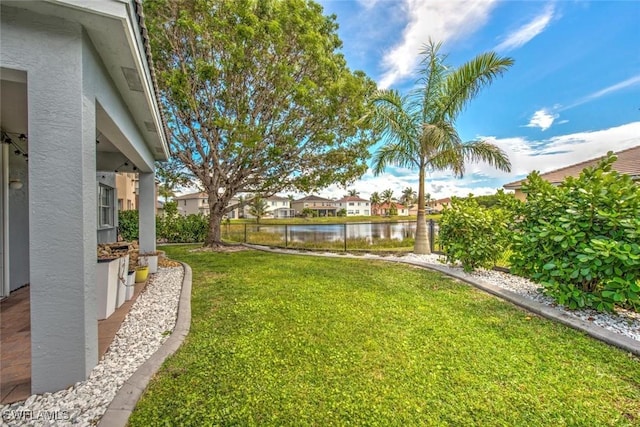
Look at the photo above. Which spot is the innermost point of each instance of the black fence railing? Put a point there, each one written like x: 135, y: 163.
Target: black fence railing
x: 355, y: 236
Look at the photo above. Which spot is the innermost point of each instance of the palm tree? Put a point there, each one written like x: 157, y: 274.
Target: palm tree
x: 375, y: 198
x: 419, y: 128
x: 387, y: 196
x: 165, y: 191
x: 353, y: 193
x: 258, y: 207
x: 408, y: 197
x: 375, y: 203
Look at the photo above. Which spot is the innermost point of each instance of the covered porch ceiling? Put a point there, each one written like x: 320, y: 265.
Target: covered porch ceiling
x: 121, y: 49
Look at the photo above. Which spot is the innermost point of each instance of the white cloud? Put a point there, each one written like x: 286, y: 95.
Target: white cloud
x: 525, y: 156
x: 542, y: 119
x: 368, y: 4
x: 606, y: 91
x: 526, y: 33
x: 559, y: 151
x: 439, y: 20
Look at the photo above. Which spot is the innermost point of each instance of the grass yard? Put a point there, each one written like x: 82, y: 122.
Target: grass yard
x: 292, y: 340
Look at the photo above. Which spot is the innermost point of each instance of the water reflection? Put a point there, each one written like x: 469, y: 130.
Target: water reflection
x: 304, y: 233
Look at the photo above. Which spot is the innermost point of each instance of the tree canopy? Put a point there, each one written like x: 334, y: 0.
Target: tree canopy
x: 258, y: 97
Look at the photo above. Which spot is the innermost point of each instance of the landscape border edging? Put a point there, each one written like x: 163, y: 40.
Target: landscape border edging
x: 125, y: 400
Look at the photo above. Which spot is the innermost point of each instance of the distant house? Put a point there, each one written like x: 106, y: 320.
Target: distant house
x: 126, y: 183
x: 279, y: 207
x: 320, y: 205
x: 385, y: 209
x: 355, y: 206
x: 628, y: 163
x: 436, y: 206
x: 193, y: 203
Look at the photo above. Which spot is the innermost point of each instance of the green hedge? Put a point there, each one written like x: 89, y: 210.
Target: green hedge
x: 473, y: 235
x: 580, y: 240
x: 171, y: 227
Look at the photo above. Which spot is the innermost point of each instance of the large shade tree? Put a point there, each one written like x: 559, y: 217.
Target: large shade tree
x: 171, y: 175
x: 258, y: 97
x: 419, y: 128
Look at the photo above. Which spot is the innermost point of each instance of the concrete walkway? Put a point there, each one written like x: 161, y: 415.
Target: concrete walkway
x: 623, y: 342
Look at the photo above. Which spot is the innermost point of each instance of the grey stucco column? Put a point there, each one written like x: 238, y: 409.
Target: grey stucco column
x: 147, y: 211
x: 62, y: 212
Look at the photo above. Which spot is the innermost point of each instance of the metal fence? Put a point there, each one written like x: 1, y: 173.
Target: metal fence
x: 355, y: 236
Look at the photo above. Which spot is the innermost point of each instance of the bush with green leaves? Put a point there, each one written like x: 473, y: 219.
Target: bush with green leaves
x: 580, y: 239
x: 128, y: 225
x: 175, y: 228
x: 473, y: 235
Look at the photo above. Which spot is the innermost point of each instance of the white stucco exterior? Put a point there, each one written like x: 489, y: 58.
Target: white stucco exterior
x: 72, y: 54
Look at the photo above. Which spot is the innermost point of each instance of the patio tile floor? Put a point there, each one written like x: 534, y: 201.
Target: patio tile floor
x: 15, y: 342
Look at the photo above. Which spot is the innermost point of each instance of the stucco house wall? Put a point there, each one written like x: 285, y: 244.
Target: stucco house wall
x: 81, y: 119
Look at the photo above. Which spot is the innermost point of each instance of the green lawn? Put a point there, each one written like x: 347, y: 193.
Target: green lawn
x: 294, y: 340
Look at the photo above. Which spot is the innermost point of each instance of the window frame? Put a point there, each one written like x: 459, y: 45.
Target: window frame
x: 106, y: 194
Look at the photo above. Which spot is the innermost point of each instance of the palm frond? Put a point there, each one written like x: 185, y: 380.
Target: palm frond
x: 464, y: 83
x: 397, y: 154
x: 493, y: 155
x: 433, y: 72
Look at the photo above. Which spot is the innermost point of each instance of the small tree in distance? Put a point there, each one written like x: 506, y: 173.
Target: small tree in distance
x: 258, y: 207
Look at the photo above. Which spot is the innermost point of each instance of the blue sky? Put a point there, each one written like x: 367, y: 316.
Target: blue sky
x: 573, y: 93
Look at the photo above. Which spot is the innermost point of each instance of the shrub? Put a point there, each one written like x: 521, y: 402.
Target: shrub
x: 128, y: 225
x: 580, y: 239
x: 473, y: 235
x: 176, y: 228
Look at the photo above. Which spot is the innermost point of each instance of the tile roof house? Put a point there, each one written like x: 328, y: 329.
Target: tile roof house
x: 628, y: 162
x: 193, y: 203
x: 384, y: 209
x: 435, y: 206
x: 320, y: 205
x: 355, y: 206
x: 78, y: 102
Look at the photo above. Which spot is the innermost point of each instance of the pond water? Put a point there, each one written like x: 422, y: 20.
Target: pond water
x: 336, y: 232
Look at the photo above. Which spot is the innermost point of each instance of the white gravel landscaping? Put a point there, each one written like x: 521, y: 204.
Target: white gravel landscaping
x: 145, y: 328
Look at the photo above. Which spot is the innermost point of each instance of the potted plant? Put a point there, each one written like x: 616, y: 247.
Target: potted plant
x: 150, y: 259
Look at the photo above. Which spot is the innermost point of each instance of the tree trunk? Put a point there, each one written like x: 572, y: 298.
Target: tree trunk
x: 422, y: 245
x: 214, y: 237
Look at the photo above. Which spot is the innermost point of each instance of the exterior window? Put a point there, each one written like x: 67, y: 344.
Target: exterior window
x: 120, y: 204
x: 185, y: 203
x: 357, y: 212
x: 105, y: 206
x: 129, y: 205
x: 351, y: 204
